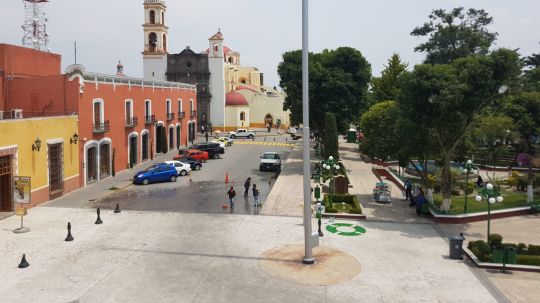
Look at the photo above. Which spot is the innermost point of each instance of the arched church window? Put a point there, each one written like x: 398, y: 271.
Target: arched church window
x: 152, y: 40
x: 242, y: 116
x: 215, y: 49
x: 164, y: 43
x: 152, y: 17
x: 230, y: 60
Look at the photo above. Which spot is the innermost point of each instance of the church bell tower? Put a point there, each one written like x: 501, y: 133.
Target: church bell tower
x: 216, y: 65
x: 155, y: 40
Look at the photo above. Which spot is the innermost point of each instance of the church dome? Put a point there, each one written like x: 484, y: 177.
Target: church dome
x: 234, y: 98
x: 247, y: 87
x: 226, y: 50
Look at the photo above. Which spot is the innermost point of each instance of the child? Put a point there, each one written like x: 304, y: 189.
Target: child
x: 256, y: 200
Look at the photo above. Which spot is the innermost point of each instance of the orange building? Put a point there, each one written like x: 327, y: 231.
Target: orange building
x: 123, y: 121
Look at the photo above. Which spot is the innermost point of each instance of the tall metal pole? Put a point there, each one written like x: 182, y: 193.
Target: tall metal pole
x: 308, y: 255
x: 466, y: 188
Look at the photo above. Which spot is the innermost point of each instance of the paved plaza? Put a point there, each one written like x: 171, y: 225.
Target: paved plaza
x: 177, y: 256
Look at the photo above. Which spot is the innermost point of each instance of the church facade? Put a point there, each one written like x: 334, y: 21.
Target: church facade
x: 229, y: 95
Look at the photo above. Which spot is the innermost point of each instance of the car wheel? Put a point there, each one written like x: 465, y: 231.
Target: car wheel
x: 173, y: 178
x: 198, y: 167
x: 183, y: 173
x: 216, y: 156
x: 145, y: 181
x: 250, y: 137
x: 203, y: 160
x: 233, y: 136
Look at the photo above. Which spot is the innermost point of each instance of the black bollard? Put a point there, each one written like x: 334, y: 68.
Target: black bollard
x: 264, y: 138
x: 117, y: 209
x: 69, y: 236
x: 274, y: 138
x: 24, y: 263
x: 320, y: 231
x: 98, y: 220
x: 286, y: 139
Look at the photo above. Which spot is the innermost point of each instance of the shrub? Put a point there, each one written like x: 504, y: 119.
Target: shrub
x: 470, y: 188
x: 330, y: 136
x: 533, y: 250
x: 522, y: 248
x: 331, y: 210
x: 495, y: 240
x: 528, y: 260
x: 480, y: 249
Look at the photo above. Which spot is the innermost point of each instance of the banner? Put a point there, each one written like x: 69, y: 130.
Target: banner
x: 21, y: 189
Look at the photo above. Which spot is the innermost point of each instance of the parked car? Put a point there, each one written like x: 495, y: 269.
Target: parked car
x: 195, y: 154
x: 156, y: 173
x: 242, y: 133
x: 193, y: 163
x: 181, y: 168
x: 226, y: 140
x: 221, y: 144
x: 270, y: 161
x: 213, y: 149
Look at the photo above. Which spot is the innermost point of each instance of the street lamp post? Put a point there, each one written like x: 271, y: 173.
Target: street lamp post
x: 467, y: 169
x: 491, y: 195
x: 332, y: 165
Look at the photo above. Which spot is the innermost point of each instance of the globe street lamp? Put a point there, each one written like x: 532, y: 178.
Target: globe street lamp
x: 491, y: 195
x: 467, y: 169
x: 332, y: 166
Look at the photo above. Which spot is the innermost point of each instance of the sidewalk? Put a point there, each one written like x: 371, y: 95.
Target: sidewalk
x: 83, y: 196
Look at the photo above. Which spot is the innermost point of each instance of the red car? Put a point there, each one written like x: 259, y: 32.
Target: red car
x: 193, y: 153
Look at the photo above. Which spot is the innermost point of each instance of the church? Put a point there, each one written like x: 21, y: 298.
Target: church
x: 229, y: 95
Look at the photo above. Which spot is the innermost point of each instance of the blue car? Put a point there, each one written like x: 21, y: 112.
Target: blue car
x: 156, y: 173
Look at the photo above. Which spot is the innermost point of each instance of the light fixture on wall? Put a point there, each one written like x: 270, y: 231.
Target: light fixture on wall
x: 36, y: 145
x: 74, y: 139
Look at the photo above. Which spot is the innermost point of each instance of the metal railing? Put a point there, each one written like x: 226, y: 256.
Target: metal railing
x: 149, y: 119
x: 101, y: 127
x: 193, y: 113
x: 132, y: 122
x: 170, y: 116
x: 181, y: 115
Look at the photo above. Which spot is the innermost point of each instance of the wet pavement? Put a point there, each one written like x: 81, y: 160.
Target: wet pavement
x: 207, y: 192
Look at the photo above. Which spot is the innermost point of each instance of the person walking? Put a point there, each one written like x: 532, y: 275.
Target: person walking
x: 408, y: 190
x: 256, y: 201
x: 246, y: 186
x: 231, y: 193
x: 420, y: 200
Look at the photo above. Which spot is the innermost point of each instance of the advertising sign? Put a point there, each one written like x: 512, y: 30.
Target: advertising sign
x: 21, y: 189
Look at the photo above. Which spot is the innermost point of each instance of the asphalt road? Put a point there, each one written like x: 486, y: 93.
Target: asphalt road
x: 207, y: 192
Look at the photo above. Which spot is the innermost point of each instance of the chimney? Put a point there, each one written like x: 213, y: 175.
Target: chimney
x: 120, y: 69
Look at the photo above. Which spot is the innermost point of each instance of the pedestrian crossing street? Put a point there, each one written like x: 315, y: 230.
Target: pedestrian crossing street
x: 265, y: 143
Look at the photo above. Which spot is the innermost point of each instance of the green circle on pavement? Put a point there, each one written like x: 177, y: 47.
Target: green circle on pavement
x: 345, y: 229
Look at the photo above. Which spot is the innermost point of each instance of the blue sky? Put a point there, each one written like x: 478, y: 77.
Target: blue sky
x: 261, y: 30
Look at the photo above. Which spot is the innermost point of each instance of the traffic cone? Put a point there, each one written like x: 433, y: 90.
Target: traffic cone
x: 226, y: 178
x: 24, y: 263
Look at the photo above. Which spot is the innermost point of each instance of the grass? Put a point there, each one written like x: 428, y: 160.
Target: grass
x: 511, y: 199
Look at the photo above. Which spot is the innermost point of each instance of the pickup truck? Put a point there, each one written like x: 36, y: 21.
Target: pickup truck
x: 242, y: 133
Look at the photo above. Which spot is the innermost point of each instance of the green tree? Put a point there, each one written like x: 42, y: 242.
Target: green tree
x: 444, y: 99
x: 531, y: 77
x: 489, y: 133
x: 379, y: 125
x: 455, y: 34
x: 338, y: 84
x: 330, y: 137
x: 386, y: 86
x: 524, y: 109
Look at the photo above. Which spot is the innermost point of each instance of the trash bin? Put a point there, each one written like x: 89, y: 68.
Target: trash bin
x: 456, y: 244
x: 351, y: 136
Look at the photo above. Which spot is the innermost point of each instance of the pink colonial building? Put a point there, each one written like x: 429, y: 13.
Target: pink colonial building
x: 123, y: 121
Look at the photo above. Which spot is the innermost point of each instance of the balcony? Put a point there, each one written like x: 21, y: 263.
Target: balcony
x: 149, y: 119
x: 181, y: 115
x: 100, y: 128
x: 132, y: 122
x: 193, y: 113
x: 170, y: 116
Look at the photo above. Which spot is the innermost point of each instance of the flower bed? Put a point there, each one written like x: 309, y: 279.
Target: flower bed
x: 524, y: 254
x: 341, y: 204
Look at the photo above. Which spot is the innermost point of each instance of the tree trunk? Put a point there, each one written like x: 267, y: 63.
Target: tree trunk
x: 446, y: 186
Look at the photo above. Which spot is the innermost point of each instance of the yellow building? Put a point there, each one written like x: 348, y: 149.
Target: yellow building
x: 45, y: 149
